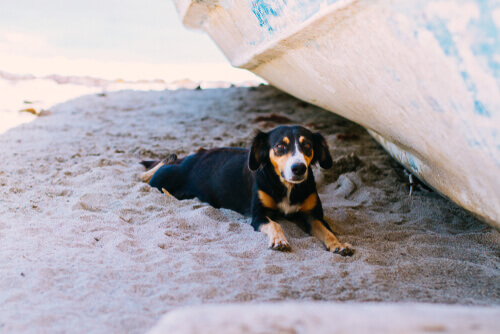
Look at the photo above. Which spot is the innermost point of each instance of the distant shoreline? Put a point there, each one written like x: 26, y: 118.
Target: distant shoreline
x: 92, y: 81
x: 28, y: 91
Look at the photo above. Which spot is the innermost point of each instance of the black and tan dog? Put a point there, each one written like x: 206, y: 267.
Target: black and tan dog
x: 272, y: 179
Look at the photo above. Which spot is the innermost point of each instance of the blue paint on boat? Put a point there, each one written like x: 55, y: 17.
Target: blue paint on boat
x: 412, y: 163
x: 307, y: 8
x: 487, y: 32
x: 312, y: 42
x: 393, y: 74
x: 474, y: 143
x: 415, y: 105
x: 444, y: 37
x: 264, y: 10
x: 480, y: 109
x: 301, y: 10
x: 453, y: 105
x: 487, y: 41
x: 434, y: 104
x: 465, y: 76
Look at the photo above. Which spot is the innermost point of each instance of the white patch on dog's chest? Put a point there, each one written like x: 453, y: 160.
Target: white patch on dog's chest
x: 285, y: 207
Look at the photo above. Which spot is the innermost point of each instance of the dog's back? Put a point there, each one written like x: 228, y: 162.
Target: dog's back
x: 217, y: 176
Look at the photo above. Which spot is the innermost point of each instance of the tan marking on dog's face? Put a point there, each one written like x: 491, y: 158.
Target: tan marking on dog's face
x: 306, y: 149
x: 266, y: 200
x: 279, y: 161
x: 277, y: 239
x: 286, y: 140
x: 309, y: 203
x: 329, y: 239
x: 309, y: 158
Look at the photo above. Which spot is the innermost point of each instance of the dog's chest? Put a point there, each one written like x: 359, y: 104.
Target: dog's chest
x: 285, y: 206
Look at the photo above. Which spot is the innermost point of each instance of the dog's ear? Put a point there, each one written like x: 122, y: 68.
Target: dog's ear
x: 258, y: 151
x: 321, y: 151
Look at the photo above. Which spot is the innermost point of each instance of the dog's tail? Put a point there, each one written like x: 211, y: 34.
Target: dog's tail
x: 153, y: 165
x: 150, y: 164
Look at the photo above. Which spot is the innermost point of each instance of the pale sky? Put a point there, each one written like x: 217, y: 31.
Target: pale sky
x: 121, y: 38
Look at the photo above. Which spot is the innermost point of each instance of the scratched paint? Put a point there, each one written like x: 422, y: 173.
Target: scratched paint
x: 477, y: 60
x: 470, y: 22
x: 487, y: 41
x: 468, y: 34
x: 265, y: 11
x: 392, y: 73
x: 277, y: 16
x: 439, y: 28
x: 312, y: 43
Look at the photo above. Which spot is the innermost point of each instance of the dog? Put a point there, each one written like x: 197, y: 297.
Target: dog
x: 271, y: 179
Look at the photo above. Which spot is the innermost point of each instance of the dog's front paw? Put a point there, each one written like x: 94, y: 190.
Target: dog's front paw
x: 280, y: 245
x: 341, y: 249
x: 277, y: 239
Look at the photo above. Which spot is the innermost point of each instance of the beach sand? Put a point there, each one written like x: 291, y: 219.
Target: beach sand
x: 85, y: 246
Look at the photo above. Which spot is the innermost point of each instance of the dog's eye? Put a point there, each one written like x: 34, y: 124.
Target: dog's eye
x: 307, y: 146
x: 280, y: 146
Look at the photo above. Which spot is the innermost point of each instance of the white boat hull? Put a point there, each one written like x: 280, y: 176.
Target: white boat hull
x: 421, y: 76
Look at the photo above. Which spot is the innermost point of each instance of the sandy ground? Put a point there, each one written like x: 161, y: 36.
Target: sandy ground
x: 85, y: 246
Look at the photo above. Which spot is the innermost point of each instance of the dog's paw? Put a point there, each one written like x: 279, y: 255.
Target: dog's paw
x: 341, y: 249
x: 280, y: 245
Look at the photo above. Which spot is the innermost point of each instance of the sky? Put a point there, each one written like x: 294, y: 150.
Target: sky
x: 130, y: 39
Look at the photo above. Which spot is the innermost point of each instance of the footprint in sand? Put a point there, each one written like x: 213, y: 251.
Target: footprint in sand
x: 129, y: 247
x: 94, y: 202
x: 130, y: 216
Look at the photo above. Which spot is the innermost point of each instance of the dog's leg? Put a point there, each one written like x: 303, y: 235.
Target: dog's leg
x: 319, y: 230
x: 263, y: 207
x: 146, y: 176
x: 277, y: 239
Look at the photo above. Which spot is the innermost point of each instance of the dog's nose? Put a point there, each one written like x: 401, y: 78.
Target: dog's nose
x: 299, y: 169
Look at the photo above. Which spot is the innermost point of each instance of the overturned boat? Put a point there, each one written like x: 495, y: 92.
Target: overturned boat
x: 422, y: 76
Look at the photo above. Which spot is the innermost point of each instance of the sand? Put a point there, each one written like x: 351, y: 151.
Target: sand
x: 85, y: 246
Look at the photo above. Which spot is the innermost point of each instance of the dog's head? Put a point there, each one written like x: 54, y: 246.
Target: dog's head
x: 290, y: 150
